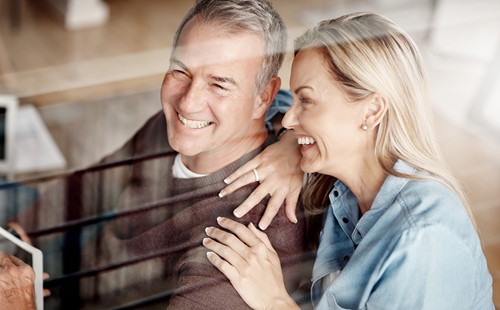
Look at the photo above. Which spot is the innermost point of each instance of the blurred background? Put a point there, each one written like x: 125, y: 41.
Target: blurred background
x: 86, y: 74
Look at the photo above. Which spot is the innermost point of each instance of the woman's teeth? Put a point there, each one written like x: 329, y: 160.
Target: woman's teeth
x: 306, y: 141
x: 193, y: 124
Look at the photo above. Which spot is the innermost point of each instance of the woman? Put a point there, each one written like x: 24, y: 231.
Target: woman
x: 397, y: 231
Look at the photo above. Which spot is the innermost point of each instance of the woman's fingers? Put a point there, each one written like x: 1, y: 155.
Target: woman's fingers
x: 273, y: 206
x: 261, y: 236
x: 256, y: 275
x: 245, y: 170
x: 291, y: 204
x: 271, y: 254
x: 227, y: 269
x: 256, y: 249
x: 252, y: 200
x: 244, y: 179
x: 233, y: 246
x: 241, y: 231
x: 238, y: 245
x: 278, y: 171
x: 225, y: 251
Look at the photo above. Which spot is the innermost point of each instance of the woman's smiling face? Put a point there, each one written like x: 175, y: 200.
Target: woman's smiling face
x: 326, y: 124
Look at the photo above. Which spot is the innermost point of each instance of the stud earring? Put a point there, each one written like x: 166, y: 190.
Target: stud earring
x: 364, y: 127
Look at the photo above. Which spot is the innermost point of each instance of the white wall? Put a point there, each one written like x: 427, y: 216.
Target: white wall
x: 77, y: 14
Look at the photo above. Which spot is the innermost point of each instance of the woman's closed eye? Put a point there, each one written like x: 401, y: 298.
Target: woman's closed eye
x: 304, y: 100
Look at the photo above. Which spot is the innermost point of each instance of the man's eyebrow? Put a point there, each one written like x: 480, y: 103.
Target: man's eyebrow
x: 175, y: 61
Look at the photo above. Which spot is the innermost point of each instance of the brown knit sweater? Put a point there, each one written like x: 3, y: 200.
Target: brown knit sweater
x: 166, y: 222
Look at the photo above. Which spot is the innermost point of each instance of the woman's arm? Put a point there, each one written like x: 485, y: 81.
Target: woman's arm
x: 277, y: 168
x: 428, y: 268
x: 248, y: 260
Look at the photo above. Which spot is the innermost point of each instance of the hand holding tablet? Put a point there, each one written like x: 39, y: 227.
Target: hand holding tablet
x: 16, y: 276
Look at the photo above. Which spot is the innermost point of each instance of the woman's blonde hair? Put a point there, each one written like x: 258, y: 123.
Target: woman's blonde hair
x: 367, y: 53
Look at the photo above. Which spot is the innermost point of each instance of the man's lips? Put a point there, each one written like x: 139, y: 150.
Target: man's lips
x: 194, y: 124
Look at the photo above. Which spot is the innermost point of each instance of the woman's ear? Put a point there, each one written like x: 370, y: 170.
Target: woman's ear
x: 374, y: 113
x: 266, y: 97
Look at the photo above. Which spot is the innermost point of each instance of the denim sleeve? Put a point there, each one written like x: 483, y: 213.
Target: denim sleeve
x: 281, y: 104
x: 427, y: 268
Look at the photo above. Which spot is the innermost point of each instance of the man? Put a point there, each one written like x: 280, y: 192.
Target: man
x: 220, y: 84
x: 221, y: 81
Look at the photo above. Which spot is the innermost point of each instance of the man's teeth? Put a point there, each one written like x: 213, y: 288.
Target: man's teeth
x: 193, y: 124
x: 306, y: 141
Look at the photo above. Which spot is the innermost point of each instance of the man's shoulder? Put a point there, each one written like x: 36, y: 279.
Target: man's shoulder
x: 150, y: 139
x: 153, y: 131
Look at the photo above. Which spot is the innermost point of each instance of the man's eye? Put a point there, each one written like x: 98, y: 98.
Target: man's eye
x: 304, y: 100
x: 219, y: 88
x: 178, y: 74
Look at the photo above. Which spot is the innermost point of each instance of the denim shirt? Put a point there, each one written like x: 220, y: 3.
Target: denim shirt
x: 416, y: 248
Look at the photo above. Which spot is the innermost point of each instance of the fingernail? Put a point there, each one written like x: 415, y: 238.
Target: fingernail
x: 262, y: 226
x: 210, y: 255
x: 227, y: 181
x: 295, y: 221
x: 207, y: 230
x: 222, y: 194
x: 219, y: 219
x: 236, y: 213
x: 205, y: 241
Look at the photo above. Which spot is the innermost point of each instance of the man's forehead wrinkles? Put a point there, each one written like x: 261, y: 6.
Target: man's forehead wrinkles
x: 214, y: 72
x: 205, y: 53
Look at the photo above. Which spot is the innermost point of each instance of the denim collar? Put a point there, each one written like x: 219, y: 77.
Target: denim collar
x: 342, y: 201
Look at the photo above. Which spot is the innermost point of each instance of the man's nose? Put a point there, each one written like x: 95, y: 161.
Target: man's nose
x: 192, y: 99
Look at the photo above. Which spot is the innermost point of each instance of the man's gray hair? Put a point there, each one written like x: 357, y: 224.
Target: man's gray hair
x: 256, y: 16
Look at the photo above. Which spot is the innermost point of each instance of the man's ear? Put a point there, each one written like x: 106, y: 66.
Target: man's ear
x: 375, y: 110
x: 266, y: 97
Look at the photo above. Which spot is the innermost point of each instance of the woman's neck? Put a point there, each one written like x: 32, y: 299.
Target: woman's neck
x: 365, y: 182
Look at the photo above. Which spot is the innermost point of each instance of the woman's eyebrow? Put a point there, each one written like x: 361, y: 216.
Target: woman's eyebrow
x: 298, y: 89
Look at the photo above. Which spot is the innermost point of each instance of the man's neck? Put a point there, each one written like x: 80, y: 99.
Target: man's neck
x: 209, y: 162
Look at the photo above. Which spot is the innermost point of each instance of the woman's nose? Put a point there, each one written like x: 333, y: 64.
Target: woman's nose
x: 290, y: 119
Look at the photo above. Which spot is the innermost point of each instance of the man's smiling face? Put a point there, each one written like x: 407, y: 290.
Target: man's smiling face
x: 209, y: 92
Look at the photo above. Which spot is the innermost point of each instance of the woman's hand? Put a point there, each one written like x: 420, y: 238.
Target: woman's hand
x: 246, y: 257
x: 280, y: 176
